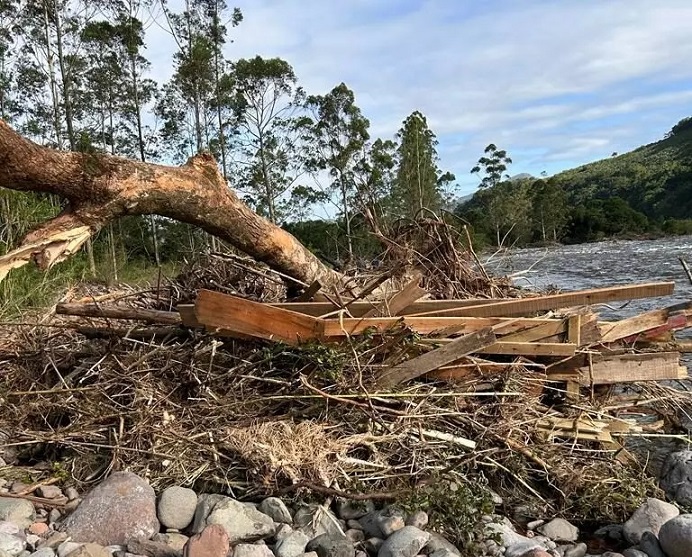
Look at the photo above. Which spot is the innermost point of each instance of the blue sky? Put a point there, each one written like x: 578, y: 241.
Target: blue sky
x: 556, y: 83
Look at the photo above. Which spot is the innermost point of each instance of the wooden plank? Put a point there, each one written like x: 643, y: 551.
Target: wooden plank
x: 627, y: 368
x: 427, y: 325
x: 538, y: 332
x: 618, y: 330
x: 530, y: 349
x: 119, y: 312
x: 528, y: 306
x: 187, y: 314
x: 574, y: 330
x: 434, y: 359
x: 360, y: 308
x: 310, y: 292
x: 410, y: 293
x: 226, y: 314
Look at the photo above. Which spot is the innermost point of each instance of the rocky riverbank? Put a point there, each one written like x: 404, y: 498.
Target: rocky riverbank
x: 124, y: 517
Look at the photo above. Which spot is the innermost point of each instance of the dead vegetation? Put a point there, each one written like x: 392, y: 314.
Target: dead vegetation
x: 530, y: 413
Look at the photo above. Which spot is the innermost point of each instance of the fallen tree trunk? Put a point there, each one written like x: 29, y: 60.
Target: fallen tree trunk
x: 101, y: 188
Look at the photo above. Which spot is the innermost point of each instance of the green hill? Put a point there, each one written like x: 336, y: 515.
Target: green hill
x: 655, y: 179
x: 646, y: 191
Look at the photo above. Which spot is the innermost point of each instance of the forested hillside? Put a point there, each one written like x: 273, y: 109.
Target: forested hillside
x: 74, y: 75
x: 645, y: 191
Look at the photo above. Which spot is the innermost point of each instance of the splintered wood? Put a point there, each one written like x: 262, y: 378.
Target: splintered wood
x: 570, y: 345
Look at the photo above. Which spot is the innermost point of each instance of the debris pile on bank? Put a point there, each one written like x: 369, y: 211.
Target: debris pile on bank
x: 217, y: 381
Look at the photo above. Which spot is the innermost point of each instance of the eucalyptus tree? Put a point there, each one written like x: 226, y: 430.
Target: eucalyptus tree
x: 191, y: 107
x: 9, y: 10
x: 336, y: 133
x: 493, y: 164
x: 419, y: 183
x: 265, y: 101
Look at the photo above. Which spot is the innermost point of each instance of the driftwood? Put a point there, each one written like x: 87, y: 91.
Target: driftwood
x: 101, y: 188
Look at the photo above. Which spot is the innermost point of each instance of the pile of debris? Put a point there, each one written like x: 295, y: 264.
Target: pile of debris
x: 346, y: 396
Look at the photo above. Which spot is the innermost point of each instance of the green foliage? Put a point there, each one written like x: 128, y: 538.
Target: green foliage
x: 455, y: 507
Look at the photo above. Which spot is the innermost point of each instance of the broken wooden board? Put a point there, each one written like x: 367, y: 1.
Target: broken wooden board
x: 230, y: 315
x: 360, y: 308
x: 112, y: 311
x: 334, y: 328
x: 620, y: 368
x: 583, y: 429
x: 670, y: 318
x: 529, y: 306
x: 430, y: 361
x: 410, y: 293
x: 538, y: 332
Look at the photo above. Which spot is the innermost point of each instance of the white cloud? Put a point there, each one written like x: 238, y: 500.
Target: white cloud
x: 540, y: 77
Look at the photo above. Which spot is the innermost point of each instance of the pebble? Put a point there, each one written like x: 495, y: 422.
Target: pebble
x: 523, y: 548
x: 419, y: 519
x: 676, y: 477
x: 65, y: 548
x: 49, y: 491
x: 438, y: 542
x: 71, y: 493
x: 276, y: 509
x: 535, y: 524
x: 173, y: 540
x: 325, y: 546
x: 559, y: 530
x: 651, y: 515
x: 315, y: 520
x: 406, y: 542
x: 12, y: 545
x: 251, y: 550
x: 578, y: 550
x: 373, y: 545
x: 54, y: 516
x: 282, y: 531
x: 390, y: 520
x: 90, y: 550
x: 650, y: 545
x: 349, y: 510
x: 355, y: 536
x: 675, y: 536
x: 242, y: 523
x: 353, y: 525
x: 176, y: 507
x: 150, y: 548
x: 536, y: 553
x: 121, y: 508
x: 43, y: 552
x: 211, y: 542
x: 292, y: 545
x: 54, y: 540
x: 18, y: 511
x: 38, y: 528
x: 633, y: 552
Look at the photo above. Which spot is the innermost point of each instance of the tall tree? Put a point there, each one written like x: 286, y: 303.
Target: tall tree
x: 419, y: 183
x: 8, y: 18
x: 493, y: 164
x: 265, y: 102
x: 337, y: 131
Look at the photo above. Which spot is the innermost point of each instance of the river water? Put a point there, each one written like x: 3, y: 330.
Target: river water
x: 605, y: 264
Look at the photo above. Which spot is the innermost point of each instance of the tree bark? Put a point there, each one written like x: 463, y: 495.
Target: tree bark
x: 101, y: 188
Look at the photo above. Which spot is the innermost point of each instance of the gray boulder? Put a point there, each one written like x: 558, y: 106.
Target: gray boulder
x: 406, y: 542
x: 121, y: 508
x: 390, y: 519
x: 650, y: 516
x: 437, y: 542
x: 575, y: 550
x: 676, y: 477
x: 17, y: 511
x: 633, y: 552
x: 177, y: 507
x: 675, y: 536
x: 351, y: 510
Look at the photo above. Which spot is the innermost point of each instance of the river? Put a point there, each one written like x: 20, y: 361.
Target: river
x: 612, y: 263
